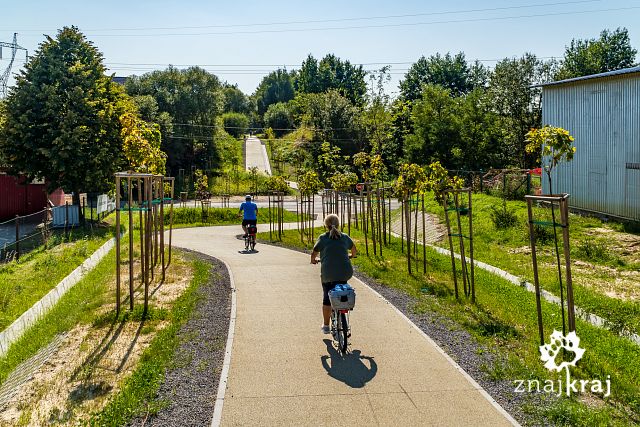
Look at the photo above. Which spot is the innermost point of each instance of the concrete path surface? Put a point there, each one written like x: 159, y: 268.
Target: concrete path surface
x: 284, y: 371
x: 256, y: 155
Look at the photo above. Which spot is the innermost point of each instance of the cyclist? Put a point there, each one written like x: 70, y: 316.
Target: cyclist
x: 250, y: 216
x: 333, y: 248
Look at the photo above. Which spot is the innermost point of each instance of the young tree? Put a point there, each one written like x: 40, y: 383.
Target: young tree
x: 377, y: 113
x: 553, y: 144
x: 611, y: 51
x: 63, y: 117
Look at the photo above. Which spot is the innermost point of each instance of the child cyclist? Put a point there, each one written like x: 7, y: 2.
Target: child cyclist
x: 335, y: 248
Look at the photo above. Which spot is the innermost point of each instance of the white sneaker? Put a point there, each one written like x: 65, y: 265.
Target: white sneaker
x: 325, y: 329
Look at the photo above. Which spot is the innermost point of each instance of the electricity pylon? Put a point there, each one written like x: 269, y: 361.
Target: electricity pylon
x: 4, y: 79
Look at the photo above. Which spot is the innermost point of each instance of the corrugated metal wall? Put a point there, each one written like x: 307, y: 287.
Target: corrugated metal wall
x: 604, y: 117
x: 17, y: 199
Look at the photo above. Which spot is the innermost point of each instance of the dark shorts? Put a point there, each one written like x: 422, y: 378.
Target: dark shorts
x: 326, y: 287
x: 246, y: 222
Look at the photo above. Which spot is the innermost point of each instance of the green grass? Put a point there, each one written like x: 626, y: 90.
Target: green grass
x: 504, y: 320
x: 194, y: 217
x: 76, y: 306
x: 507, y: 249
x: 137, y: 396
x: 25, y: 282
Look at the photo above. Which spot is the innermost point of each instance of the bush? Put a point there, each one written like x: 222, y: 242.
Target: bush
x: 544, y: 234
x: 503, y: 218
x: 235, y: 124
x: 278, y: 117
x: 593, y: 250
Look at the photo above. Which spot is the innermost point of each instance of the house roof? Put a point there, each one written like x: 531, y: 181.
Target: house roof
x: 630, y: 70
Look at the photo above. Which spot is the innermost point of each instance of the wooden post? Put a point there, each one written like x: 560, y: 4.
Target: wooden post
x: 161, y: 181
x: 445, y: 196
x: 131, y: 237
x: 171, y: 219
x: 564, y: 218
x: 424, y: 240
x: 463, y: 258
x: 536, y: 281
x: 142, y: 188
x: 407, y: 222
x: 117, y: 245
x: 473, y: 279
x: 17, y: 237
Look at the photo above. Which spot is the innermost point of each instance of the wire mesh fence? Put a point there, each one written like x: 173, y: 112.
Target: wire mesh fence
x: 24, y: 233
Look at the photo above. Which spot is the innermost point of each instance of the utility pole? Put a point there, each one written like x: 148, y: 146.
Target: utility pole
x: 4, y: 78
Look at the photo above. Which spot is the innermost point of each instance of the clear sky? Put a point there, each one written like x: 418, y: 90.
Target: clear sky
x: 241, y: 41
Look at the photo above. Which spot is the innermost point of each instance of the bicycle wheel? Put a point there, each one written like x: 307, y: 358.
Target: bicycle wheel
x: 343, y: 331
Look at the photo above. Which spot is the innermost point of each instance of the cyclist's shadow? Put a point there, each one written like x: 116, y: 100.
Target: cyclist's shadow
x: 351, y: 369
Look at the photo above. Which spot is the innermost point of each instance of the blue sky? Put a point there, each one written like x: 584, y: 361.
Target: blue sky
x: 242, y: 41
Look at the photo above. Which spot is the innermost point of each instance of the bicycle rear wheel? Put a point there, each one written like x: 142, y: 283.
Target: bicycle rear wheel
x: 342, y: 332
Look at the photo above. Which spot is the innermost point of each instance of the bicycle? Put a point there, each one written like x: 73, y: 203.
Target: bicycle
x: 343, y: 299
x: 250, y: 238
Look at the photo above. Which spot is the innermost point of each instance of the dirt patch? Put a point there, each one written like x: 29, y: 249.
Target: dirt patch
x: 93, y: 361
x: 607, y: 280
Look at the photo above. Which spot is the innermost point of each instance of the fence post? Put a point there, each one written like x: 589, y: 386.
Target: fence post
x: 17, y: 237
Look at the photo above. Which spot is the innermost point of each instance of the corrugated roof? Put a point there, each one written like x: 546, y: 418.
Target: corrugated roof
x: 593, y: 76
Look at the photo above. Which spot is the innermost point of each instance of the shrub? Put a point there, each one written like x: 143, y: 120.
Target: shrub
x: 235, y: 124
x: 593, y: 250
x: 503, y: 218
x: 544, y: 234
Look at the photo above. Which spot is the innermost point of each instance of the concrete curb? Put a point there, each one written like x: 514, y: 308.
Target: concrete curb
x: 224, y: 374
x: 582, y: 314
x: 14, y: 331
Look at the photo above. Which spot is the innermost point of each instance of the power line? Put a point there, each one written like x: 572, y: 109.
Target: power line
x: 365, y: 18
x: 409, y: 24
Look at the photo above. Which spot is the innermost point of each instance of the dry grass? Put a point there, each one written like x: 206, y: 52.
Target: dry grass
x: 93, y: 362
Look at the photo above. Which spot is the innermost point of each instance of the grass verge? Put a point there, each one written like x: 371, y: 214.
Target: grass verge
x: 136, y: 397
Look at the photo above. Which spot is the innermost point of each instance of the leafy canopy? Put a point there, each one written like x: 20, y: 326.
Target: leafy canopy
x: 611, y: 51
x: 275, y: 87
x: 63, y: 117
x: 332, y: 73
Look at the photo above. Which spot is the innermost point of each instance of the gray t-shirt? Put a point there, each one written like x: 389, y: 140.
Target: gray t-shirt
x: 334, y: 256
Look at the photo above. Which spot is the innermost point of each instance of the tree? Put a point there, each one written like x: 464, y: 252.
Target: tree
x: 193, y: 98
x: 450, y: 72
x: 553, y: 144
x: 517, y: 103
x: 63, y: 117
x: 276, y: 86
x: 331, y: 73
x: 612, y: 51
x: 279, y: 118
x: 436, y: 127
x: 147, y: 108
x: 334, y: 119
x: 235, y: 124
x: 377, y: 116
x: 141, y: 145
x: 235, y: 101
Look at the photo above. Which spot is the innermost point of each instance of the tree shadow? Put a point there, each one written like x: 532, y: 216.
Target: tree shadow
x: 351, y: 368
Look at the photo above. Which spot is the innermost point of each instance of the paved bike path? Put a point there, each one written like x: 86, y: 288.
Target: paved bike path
x: 284, y: 371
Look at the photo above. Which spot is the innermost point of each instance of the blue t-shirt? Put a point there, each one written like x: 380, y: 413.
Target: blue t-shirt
x: 250, y: 210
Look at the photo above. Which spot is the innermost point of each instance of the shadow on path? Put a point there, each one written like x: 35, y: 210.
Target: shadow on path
x: 351, y: 369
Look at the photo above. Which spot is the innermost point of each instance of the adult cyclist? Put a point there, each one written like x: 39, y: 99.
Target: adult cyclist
x: 250, y: 216
x: 335, y: 248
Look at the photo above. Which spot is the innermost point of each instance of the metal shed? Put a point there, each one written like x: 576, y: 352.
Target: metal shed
x: 602, y: 112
